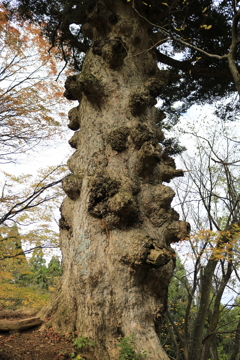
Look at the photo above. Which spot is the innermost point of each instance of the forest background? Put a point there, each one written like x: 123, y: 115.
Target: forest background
x: 208, y: 197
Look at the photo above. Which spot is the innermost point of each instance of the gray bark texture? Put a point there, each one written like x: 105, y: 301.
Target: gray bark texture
x: 117, y: 223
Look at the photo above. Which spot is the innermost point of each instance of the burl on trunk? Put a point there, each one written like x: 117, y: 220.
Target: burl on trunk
x: 117, y: 223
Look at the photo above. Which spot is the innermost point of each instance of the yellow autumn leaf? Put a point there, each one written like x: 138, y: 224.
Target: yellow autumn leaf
x: 165, y: 4
x: 204, y: 10
x: 206, y: 27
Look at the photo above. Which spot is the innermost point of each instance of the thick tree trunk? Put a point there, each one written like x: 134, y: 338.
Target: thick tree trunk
x: 117, y: 223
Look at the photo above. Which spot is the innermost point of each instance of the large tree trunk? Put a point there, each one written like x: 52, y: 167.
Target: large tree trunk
x: 117, y: 223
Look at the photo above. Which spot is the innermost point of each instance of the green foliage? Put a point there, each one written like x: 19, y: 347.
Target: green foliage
x: 39, y: 270
x: 23, y: 282
x: 76, y: 357
x: 127, y: 351
x: 44, y: 277
x: 196, y: 78
x: 82, y: 342
x: 173, y: 146
x: 206, y: 24
x: 54, y: 271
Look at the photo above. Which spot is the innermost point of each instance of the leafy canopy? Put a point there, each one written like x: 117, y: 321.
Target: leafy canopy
x: 28, y: 95
x: 195, y: 29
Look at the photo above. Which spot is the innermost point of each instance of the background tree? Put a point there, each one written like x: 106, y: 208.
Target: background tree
x: 28, y: 100
x: 211, y: 297
x: 54, y: 272
x: 178, y: 298
x: 208, y: 307
x: 33, y: 208
x: 24, y: 282
x: 44, y: 276
x: 28, y: 92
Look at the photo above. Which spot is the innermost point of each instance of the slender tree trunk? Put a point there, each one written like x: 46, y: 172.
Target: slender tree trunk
x: 236, y: 346
x: 117, y: 223
x: 214, y: 349
x: 211, y: 341
x: 196, y: 350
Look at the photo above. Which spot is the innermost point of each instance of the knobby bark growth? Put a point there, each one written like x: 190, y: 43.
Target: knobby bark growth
x: 117, y: 223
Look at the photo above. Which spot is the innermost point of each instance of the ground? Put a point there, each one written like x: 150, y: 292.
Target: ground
x: 36, y: 344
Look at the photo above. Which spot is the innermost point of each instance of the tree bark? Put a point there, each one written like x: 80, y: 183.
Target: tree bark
x: 117, y: 223
x: 21, y: 325
x: 236, y: 346
x: 211, y: 341
x: 196, y: 350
